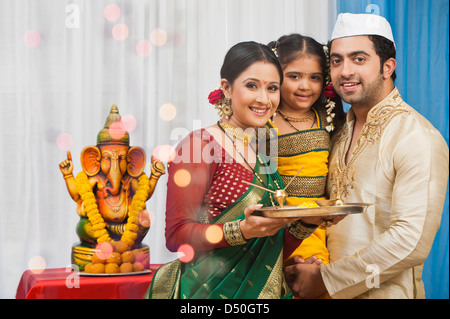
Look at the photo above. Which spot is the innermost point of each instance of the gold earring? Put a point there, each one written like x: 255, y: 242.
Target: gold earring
x: 227, y: 110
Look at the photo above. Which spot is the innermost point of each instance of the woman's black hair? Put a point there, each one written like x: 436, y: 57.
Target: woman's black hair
x: 294, y: 46
x: 242, y: 55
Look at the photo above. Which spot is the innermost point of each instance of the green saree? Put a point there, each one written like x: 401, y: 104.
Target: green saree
x: 249, y: 271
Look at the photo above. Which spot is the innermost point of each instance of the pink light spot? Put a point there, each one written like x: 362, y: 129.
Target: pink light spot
x: 129, y: 122
x: 158, y: 37
x: 165, y: 153
x: 32, y: 38
x: 64, y: 141
x: 144, y: 218
x: 152, y: 217
x: 104, y: 250
x: 112, y: 12
x: 117, y: 130
x: 185, y: 253
x: 37, y: 264
x: 120, y: 32
x: 143, y: 48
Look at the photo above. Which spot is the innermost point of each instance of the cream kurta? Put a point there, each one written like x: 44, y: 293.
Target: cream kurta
x: 400, y: 164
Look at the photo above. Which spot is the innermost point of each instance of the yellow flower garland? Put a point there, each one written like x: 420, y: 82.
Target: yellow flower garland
x: 95, y: 218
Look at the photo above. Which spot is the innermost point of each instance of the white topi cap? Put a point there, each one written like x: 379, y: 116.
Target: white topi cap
x: 349, y: 24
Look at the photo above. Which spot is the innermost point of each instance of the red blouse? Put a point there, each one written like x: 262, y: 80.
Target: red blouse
x: 215, y: 183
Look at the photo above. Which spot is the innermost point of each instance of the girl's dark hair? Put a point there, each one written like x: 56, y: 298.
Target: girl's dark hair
x: 240, y: 56
x: 294, y: 46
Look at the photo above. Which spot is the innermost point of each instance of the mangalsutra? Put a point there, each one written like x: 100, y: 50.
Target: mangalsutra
x: 279, y: 196
x: 236, y: 133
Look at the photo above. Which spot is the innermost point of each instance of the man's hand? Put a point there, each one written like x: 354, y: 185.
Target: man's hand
x: 304, y: 280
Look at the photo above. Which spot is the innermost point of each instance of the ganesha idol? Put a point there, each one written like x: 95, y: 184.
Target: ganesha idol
x: 110, y: 193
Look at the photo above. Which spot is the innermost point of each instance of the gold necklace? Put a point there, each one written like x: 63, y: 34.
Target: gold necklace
x: 297, y: 119
x: 237, y: 133
x: 221, y: 126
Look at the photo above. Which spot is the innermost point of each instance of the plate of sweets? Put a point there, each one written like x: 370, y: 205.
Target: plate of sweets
x: 120, y: 262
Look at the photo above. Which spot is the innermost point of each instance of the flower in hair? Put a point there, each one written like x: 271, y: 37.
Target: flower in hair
x: 220, y: 102
x: 215, y: 96
x: 329, y: 91
x: 275, y: 48
x: 330, y: 115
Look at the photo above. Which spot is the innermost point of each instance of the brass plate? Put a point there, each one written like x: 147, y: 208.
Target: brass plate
x: 295, y: 211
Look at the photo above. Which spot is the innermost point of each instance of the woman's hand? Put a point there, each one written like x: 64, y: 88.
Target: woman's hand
x: 258, y: 226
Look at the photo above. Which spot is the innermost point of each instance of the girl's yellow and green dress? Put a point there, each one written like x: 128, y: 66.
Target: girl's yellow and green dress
x: 308, y: 149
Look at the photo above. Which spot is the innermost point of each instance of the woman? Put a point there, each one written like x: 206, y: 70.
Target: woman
x: 209, y: 193
x: 307, y: 115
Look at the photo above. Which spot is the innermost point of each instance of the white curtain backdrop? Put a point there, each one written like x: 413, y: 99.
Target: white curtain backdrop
x: 64, y: 63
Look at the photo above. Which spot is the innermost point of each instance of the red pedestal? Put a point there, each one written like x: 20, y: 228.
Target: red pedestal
x: 60, y: 283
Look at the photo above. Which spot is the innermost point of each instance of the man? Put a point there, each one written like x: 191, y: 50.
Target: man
x: 388, y: 155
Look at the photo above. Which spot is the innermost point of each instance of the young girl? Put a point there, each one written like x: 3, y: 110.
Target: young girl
x: 308, y: 113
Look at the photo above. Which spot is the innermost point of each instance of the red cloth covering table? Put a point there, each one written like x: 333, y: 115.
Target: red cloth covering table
x: 56, y: 284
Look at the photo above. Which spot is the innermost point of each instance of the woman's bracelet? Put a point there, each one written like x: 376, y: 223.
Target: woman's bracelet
x: 232, y: 233
x: 301, y: 230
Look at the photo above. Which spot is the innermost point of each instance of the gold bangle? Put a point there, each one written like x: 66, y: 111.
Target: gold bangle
x: 68, y: 176
x: 300, y: 231
x: 232, y: 233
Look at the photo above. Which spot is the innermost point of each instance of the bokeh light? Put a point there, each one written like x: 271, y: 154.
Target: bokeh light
x: 165, y: 153
x: 104, y: 250
x: 32, y: 38
x: 144, y: 48
x: 117, y: 130
x: 120, y: 32
x: 152, y: 217
x: 129, y: 122
x: 112, y: 12
x: 167, y: 112
x: 37, y: 264
x: 214, y: 234
x: 185, y: 253
x: 158, y: 37
x: 144, y: 218
x: 182, y: 178
x: 178, y: 39
x: 64, y: 141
